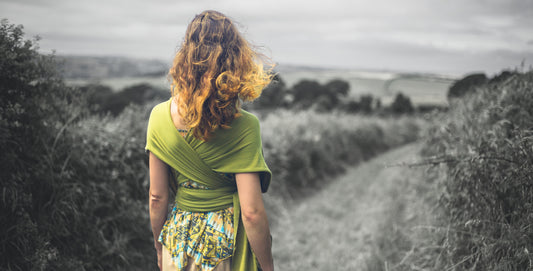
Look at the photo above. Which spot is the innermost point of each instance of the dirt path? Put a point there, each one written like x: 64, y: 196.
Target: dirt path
x: 333, y: 230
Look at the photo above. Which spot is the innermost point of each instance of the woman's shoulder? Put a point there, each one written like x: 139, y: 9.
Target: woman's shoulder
x: 244, y: 124
x: 162, y: 106
x: 247, y: 117
x: 158, y: 117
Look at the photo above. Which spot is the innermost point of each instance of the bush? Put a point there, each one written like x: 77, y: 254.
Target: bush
x: 103, y: 100
x: 305, y: 148
x: 402, y: 105
x: 273, y: 96
x: 73, y: 186
x: 487, y: 143
x: 466, y: 85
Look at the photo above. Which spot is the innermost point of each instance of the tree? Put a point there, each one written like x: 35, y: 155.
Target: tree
x: 466, y: 84
x: 402, y: 104
x: 366, y: 103
x: 306, y: 92
x: 338, y: 87
x: 102, y: 99
x: 274, y: 95
x: 352, y: 106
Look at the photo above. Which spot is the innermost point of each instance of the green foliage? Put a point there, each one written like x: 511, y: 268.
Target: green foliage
x: 103, y: 100
x: 366, y: 103
x: 274, y: 95
x: 305, y: 149
x: 27, y: 140
x: 306, y: 93
x: 72, y: 193
x: 402, y: 105
x: 466, y: 85
x: 487, y: 143
x: 338, y: 87
x: 303, y: 95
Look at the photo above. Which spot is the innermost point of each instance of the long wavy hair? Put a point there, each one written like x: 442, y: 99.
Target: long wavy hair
x: 214, y: 70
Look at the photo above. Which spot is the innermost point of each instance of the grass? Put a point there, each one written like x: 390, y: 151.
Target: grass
x: 470, y: 206
x: 337, y: 228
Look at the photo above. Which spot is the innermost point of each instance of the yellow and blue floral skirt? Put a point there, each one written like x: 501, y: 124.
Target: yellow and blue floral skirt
x: 206, y: 238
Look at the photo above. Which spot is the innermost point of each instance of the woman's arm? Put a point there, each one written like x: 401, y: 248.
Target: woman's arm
x: 159, y: 178
x: 254, y: 218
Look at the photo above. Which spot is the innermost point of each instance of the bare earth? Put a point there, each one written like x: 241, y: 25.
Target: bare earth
x: 334, y: 229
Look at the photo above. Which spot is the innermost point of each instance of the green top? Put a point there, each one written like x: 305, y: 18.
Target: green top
x: 234, y: 150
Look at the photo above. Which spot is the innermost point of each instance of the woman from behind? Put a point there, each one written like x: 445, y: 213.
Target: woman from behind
x: 202, y: 141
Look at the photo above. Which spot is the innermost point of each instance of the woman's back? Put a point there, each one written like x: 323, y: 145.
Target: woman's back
x: 213, y: 149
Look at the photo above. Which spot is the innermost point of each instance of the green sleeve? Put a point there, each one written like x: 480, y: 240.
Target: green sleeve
x: 242, y: 149
x: 252, y: 153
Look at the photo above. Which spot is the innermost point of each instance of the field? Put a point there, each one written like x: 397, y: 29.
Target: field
x: 421, y: 88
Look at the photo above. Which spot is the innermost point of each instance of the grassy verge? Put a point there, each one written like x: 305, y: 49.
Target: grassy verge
x: 306, y: 150
x: 472, y: 209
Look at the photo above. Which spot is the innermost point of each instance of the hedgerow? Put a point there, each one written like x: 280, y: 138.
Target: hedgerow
x: 73, y: 186
x: 471, y: 209
x: 307, y: 149
x: 487, y: 145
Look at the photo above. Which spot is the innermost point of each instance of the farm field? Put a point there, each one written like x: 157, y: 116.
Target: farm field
x: 422, y: 89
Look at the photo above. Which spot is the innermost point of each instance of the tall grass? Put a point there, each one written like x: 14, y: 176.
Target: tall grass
x: 307, y: 149
x: 481, y: 202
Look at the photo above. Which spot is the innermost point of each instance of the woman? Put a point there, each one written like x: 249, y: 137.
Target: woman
x: 202, y: 140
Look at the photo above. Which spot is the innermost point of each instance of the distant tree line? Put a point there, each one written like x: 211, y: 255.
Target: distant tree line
x: 333, y: 95
x: 102, y: 99
x: 304, y: 95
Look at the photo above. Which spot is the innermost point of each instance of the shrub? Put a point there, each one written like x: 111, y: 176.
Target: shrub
x: 273, y: 96
x: 305, y: 149
x: 487, y: 142
x: 401, y: 105
x: 73, y: 186
x: 103, y: 100
x: 466, y: 84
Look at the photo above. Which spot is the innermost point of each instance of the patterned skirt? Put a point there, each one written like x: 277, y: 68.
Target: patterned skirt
x: 206, y: 238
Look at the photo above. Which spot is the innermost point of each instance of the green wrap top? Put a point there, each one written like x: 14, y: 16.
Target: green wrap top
x: 205, y: 223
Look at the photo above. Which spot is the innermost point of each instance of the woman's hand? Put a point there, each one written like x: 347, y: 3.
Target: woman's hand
x: 159, y: 250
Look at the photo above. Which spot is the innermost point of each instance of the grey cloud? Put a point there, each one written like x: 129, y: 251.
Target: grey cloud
x: 380, y: 34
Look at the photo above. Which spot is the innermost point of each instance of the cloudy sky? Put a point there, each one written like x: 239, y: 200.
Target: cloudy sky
x: 451, y: 37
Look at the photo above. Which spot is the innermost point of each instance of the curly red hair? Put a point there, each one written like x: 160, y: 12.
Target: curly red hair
x: 213, y: 71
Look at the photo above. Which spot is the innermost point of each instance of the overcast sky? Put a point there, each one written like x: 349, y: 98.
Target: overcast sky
x: 452, y: 37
